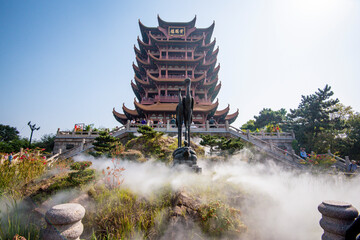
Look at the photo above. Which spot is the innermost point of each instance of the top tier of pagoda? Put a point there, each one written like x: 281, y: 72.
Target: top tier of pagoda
x: 166, y: 55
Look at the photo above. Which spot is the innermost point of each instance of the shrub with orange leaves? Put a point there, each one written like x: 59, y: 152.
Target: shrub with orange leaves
x: 112, y: 176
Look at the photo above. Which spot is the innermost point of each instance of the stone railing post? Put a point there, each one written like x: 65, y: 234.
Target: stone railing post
x: 336, y: 219
x: 82, y: 144
x: 278, y: 133
x: 347, y: 161
x: 262, y: 134
x: 227, y: 126
x: 248, y: 134
x: 64, y: 222
x: 168, y: 125
x: 292, y: 134
x: 207, y: 127
x: 128, y: 125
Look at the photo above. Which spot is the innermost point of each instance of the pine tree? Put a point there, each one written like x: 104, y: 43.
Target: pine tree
x: 312, y: 121
x: 104, y: 143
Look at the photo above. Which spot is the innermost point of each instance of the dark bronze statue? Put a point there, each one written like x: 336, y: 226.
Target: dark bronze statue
x: 185, y: 155
x: 179, y: 118
x: 188, y: 105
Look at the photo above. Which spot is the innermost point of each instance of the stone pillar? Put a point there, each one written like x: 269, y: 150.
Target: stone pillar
x: 168, y: 125
x: 128, y: 125
x: 64, y: 222
x: 82, y: 144
x: 278, y: 133
x: 207, y: 127
x: 248, y: 134
x: 347, y: 162
x: 336, y: 219
x: 227, y: 125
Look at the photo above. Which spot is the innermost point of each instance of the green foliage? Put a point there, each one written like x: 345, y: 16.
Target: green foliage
x: 226, y: 145
x: 8, y: 133
x: 268, y: 116
x: 104, y: 144
x: 271, y: 128
x: 79, y: 177
x: 312, y: 121
x: 46, y: 142
x: 17, y: 220
x: 319, y: 160
x: 210, y: 140
x: 148, y: 132
x: 153, y: 144
x: 295, y: 145
x: 249, y: 125
x: 13, y: 145
x: 80, y: 165
x: 23, y: 169
x: 218, y: 219
x: 348, y: 144
x: 120, y: 214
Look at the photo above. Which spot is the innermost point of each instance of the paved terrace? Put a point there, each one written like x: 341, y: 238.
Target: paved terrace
x: 265, y: 142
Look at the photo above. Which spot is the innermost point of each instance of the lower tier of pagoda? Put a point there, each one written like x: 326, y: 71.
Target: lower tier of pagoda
x: 167, y: 111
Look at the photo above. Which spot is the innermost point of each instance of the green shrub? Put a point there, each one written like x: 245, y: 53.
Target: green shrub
x: 23, y: 169
x: 80, y: 165
x: 120, y: 214
x: 218, y: 220
x: 17, y: 219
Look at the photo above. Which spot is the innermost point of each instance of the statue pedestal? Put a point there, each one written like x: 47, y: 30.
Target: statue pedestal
x: 186, y: 156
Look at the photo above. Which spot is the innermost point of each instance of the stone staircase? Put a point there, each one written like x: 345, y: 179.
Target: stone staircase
x: 262, y: 141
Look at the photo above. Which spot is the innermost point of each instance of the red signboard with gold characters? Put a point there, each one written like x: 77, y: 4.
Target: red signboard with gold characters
x: 177, y: 31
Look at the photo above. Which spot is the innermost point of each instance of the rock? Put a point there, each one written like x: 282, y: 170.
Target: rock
x: 64, y: 222
x: 61, y: 232
x: 65, y: 214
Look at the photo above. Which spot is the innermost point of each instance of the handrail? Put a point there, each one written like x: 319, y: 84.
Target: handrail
x: 249, y: 137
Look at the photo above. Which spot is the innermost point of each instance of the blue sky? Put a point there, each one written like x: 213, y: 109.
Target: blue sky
x: 67, y: 62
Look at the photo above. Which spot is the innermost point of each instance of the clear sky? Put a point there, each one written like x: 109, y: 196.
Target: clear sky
x: 67, y: 62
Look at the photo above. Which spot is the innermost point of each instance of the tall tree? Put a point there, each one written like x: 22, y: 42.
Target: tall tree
x: 268, y: 116
x: 314, y: 119
x: 8, y: 133
x: 354, y: 136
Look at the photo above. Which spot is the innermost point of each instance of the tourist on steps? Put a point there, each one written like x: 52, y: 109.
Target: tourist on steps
x: 303, y: 153
x: 10, y: 158
x: 352, y: 166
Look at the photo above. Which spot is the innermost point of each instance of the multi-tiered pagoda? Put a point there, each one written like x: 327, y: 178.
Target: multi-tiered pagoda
x: 168, y: 54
